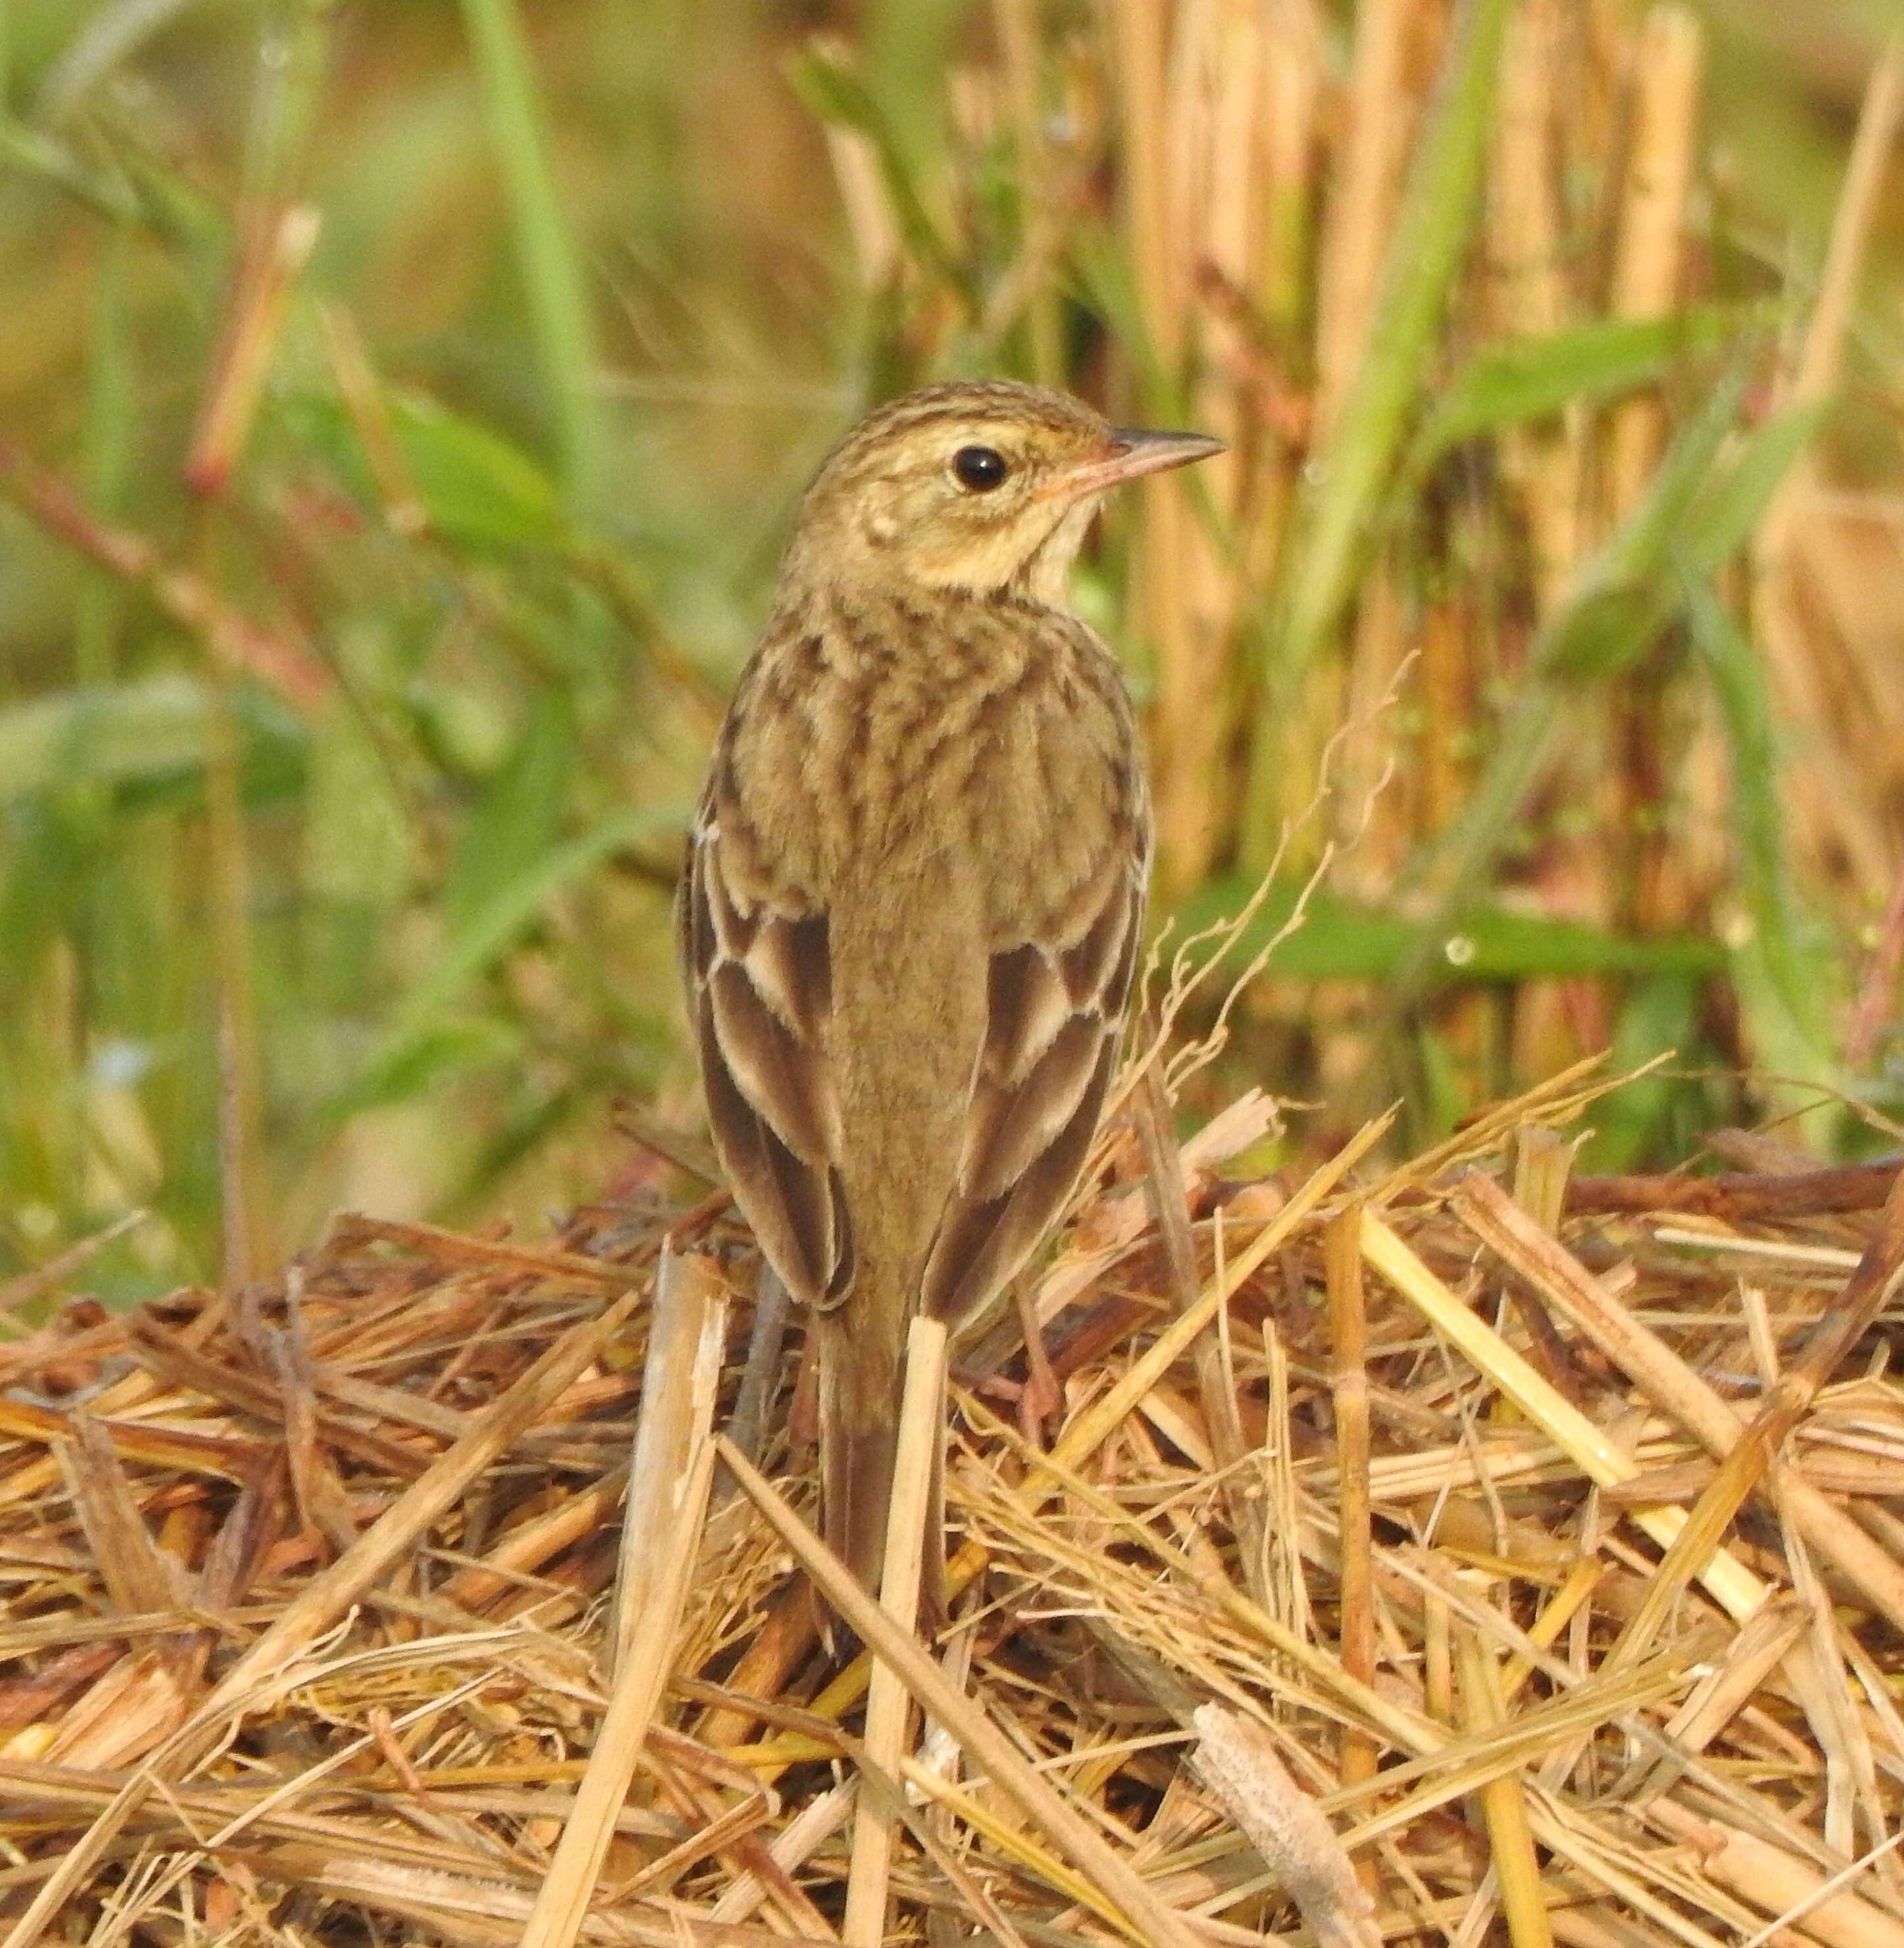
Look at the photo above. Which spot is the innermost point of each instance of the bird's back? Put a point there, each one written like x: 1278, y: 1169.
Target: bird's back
x: 915, y: 891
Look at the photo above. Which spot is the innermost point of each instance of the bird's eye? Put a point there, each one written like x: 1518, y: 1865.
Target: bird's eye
x: 979, y: 468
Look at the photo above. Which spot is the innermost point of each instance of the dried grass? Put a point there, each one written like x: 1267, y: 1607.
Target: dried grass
x: 1590, y: 1627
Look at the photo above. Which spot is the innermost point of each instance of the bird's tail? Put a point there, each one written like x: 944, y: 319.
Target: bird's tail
x: 862, y: 1362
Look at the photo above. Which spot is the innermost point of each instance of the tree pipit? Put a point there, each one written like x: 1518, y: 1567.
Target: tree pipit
x: 917, y: 886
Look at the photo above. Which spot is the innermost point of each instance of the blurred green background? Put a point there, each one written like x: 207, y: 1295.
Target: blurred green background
x: 401, y: 403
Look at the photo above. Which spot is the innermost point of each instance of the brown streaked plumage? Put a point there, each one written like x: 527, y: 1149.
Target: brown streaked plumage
x: 912, y: 903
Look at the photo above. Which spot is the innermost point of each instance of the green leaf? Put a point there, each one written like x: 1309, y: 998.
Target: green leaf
x: 1444, y: 1098
x: 486, y: 933
x: 150, y: 731
x: 34, y: 153
x: 1729, y: 507
x: 1340, y: 941
x: 357, y: 839
x: 1697, y: 511
x: 433, y: 1053
x: 1642, y: 543
x: 833, y: 93
x: 110, y: 424
x: 520, y: 816
x: 1533, y: 379
x: 908, y: 49
x: 479, y: 490
x: 1601, y: 631
x: 1527, y: 947
x: 1101, y: 266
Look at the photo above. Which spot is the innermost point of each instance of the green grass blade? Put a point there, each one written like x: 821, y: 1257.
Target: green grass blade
x: 1781, y: 966
x: 554, y: 286
x: 832, y: 92
x: 485, y: 935
x: 1533, y: 379
x: 479, y: 490
x: 910, y: 45
x: 104, y: 44
x: 1694, y: 515
x: 1613, y: 615
x: 1342, y: 940
x: 34, y: 153
x: 1727, y: 510
x: 111, y: 417
x: 1348, y: 476
x: 520, y: 818
x: 1660, y: 1015
x: 146, y: 733
x: 1643, y: 540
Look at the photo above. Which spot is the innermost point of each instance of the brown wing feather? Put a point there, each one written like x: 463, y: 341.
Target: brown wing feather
x: 1055, y: 1013
x: 759, y: 981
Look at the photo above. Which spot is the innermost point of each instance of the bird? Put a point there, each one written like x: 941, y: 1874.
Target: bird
x: 915, y: 888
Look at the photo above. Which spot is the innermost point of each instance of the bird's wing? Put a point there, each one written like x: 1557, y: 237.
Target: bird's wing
x: 759, y: 975
x: 1054, y: 1014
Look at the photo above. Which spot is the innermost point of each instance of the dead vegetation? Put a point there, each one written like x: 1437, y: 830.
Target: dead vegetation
x: 1414, y: 1547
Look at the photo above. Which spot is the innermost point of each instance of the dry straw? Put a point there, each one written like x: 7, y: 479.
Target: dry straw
x: 321, y: 1614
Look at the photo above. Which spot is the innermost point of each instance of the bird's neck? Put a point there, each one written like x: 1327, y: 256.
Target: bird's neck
x: 899, y: 638
x: 912, y: 614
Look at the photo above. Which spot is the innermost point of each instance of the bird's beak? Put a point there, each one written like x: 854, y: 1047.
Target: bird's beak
x: 1132, y: 454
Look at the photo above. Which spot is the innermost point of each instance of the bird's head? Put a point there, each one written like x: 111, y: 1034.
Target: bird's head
x: 980, y: 485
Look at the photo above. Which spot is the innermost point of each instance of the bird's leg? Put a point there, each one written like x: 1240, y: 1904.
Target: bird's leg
x: 803, y: 1412
x: 760, y: 1378
x: 1042, y: 1396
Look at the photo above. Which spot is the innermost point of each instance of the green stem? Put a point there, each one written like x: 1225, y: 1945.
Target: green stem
x: 1334, y: 520
x: 555, y: 287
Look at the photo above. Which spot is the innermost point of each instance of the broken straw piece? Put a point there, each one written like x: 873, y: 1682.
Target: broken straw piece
x: 1237, y: 1760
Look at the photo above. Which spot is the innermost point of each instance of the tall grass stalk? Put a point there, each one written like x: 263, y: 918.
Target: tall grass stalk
x: 1785, y: 976
x: 555, y: 288
x: 1344, y: 482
